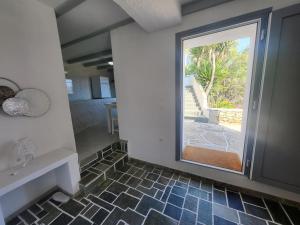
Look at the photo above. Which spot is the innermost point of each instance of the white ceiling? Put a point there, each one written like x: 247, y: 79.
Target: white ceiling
x: 53, y: 3
x: 96, y: 44
x: 94, y: 15
x: 153, y: 15
x: 89, y: 16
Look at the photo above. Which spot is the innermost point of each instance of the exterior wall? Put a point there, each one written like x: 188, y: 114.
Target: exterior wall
x: 144, y: 66
x: 225, y: 115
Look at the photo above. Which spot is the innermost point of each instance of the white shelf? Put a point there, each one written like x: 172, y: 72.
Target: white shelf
x: 36, y: 168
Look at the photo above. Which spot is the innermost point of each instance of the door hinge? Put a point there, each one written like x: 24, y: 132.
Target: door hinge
x: 262, y: 34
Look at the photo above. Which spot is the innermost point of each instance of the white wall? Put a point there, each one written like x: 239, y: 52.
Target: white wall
x: 144, y: 66
x: 30, y: 55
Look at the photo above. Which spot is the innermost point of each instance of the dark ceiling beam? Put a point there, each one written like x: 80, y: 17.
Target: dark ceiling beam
x: 187, y: 8
x: 196, y: 6
x: 101, y: 54
x: 104, y: 67
x: 66, y: 7
x: 95, y: 63
x: 96, y: 33
x: 110, y: 69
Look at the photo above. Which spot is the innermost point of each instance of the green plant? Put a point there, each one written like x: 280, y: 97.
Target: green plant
x: 221, y: 70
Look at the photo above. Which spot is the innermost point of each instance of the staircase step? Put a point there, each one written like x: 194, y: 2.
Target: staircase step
x: 103, y: 163
x: 191, y: 105
x: 192, y: 114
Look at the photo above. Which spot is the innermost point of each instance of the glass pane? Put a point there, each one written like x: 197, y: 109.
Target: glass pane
x: 69, y: 84
x: 217, y: 77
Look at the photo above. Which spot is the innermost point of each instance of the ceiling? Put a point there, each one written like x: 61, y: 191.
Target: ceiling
x: 88, y: 17
x: 84, y: 25
x: 153, y: 15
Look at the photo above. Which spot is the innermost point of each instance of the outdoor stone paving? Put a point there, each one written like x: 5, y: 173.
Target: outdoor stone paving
x: 211, y: 136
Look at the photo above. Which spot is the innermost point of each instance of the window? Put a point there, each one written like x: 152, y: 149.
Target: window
x: 105, y: 87
x: 215, y: 71
x: 69, y: 85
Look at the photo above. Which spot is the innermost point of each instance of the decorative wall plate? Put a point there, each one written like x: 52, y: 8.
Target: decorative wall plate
x: 5, y: 93
x: 38, y: 100
x: 15, y: 106
x: 9, y: 83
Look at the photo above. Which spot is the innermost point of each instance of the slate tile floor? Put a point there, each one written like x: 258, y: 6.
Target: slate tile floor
x: 140, y: 193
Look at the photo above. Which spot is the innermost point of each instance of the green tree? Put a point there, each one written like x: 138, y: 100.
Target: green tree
x: 221, y: 70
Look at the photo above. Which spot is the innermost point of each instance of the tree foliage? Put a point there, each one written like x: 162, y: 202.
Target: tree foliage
x: 221, y: 70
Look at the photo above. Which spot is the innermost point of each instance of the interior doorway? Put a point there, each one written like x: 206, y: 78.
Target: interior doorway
x: 93, y: 107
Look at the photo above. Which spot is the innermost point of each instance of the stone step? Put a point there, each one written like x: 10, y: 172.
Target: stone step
x: 192, y: 112
x: 193, y: 115
x: 95, y: 170
x: 190, y: 104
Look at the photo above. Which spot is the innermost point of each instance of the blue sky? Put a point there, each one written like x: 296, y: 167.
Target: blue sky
x: 243, y: 43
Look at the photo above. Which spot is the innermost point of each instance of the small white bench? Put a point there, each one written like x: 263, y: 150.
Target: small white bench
x: 62, y: 162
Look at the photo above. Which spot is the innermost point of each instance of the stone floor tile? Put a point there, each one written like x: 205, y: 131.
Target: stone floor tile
x: 166, y: 194
x: 124, y: 178
x: 133, y: 182
x: 163, y: 180
x: 134, y: 192
x: 128, y: 216
x: 158, y: 194
x: 176, y: 200
x: 147, y: 183
x: 14, y: 221
x: 190, y: 203
x: 294, y: 213
x: 222, y: 221
x: 179, y: 191
x: 257, y: 211
x: 147, y: 191
x: 100, y: 202
x: 246, y: 219
x: 277, y: 212
x: 117, y: 188
x: 156, y: 218
x: 188, y: 218
x: 72, y: 207
x: 125, y: 201
x: 80, y: 221
x: 91, y: 211
x: 109, y: 197
x: 152, y: 176
x: 173, y: 211
x: 253, y: 200
x: 205, y: 212
x: 225, y: 213
x: 62, y: 219
x: 27, y: 217
x: 100, y: 216
x: 148, y: 203
x: 234, y: 201
x: 219, y: 197
x: 87, y: 179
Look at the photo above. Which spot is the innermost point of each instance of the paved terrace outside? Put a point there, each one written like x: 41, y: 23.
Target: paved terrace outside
x: 212, y: 136
x: 213, y: 144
